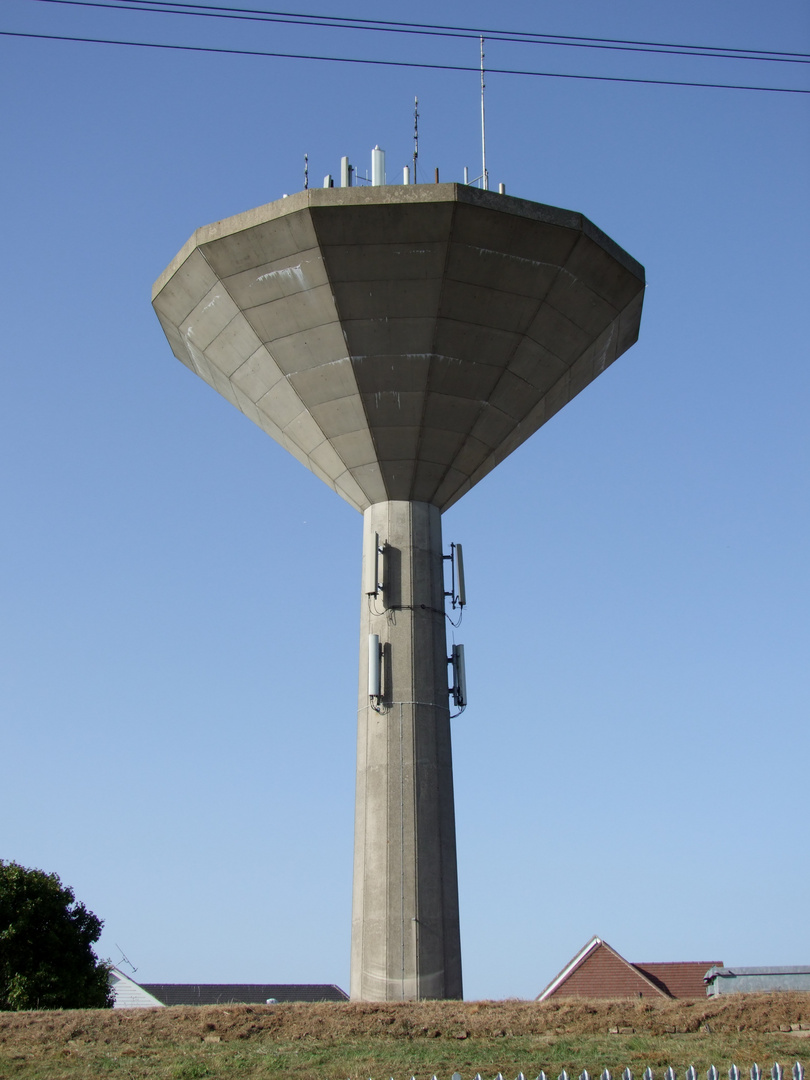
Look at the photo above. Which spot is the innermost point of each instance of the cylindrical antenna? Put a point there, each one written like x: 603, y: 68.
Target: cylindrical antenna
x: 415, y: 135
x: 484, y: 176
x: 374, y: 680
x: 377, y: 167
x: 306, y: 172
x: 406, y: 175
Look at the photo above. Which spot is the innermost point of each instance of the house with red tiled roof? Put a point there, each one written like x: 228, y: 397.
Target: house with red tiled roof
x: 598, y: 971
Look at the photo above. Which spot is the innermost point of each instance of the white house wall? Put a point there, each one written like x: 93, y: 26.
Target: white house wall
x: 129, y: 995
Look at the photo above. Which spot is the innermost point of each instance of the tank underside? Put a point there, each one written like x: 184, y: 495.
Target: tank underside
x: 400, y: 341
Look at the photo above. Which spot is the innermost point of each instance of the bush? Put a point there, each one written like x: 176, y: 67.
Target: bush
x: 46, y: 945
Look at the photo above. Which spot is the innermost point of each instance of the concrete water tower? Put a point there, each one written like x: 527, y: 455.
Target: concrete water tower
x: 401, y: 341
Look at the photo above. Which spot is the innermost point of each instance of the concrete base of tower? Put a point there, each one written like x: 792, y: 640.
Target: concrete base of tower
x: 405, y: 921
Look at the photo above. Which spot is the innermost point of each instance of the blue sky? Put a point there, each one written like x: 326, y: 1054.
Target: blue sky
x: 178, y: 643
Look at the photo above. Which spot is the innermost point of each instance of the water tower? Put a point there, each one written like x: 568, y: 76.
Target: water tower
x: 401, y: 341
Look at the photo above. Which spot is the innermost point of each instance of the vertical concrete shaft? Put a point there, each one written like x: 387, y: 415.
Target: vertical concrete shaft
x: 405, y: 923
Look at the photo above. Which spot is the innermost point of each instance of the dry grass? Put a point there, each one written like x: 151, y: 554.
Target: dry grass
x: 356, y: 1040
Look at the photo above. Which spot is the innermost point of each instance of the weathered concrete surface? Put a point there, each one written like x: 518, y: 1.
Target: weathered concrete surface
x: 405, y: 921
x: 400, y: 341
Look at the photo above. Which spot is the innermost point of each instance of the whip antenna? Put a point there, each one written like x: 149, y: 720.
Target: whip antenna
x: 415, y: 135
x: 484, y: 174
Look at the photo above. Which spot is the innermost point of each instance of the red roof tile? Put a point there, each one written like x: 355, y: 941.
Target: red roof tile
x: 600, y: 972
x: 681, y: 979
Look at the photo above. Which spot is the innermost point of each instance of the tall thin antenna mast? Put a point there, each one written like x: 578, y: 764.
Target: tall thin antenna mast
x: 306, y: 172
x: 484, y: 174
x: 415, y: 135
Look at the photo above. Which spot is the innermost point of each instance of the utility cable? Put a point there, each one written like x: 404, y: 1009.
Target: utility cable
x: 173, y: 7
x: 398, y: 63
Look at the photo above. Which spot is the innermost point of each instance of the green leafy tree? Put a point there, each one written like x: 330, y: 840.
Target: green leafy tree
x: 46, y: 945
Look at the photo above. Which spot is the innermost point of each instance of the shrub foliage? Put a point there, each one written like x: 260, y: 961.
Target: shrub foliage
x: 46, y: 945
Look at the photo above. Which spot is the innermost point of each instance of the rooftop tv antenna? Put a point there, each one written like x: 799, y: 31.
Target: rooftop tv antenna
x: 125, y: 959
x: 400, y: 342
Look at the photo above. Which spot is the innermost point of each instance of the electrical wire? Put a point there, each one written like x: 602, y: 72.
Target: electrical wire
x: 373, y: 610
x: 398, y: 63
x: 175, y: 7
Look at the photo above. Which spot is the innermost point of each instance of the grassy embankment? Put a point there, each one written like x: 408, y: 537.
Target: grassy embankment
x: 357, y: 1041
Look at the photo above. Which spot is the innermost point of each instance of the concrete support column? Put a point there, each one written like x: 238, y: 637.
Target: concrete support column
x: 405, y: 923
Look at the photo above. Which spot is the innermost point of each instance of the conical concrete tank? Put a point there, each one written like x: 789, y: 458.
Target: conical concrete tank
x: 401, y: 342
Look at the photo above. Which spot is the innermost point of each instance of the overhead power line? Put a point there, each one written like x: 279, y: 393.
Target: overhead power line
x: 220, y: 11
x: 399, y: 63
